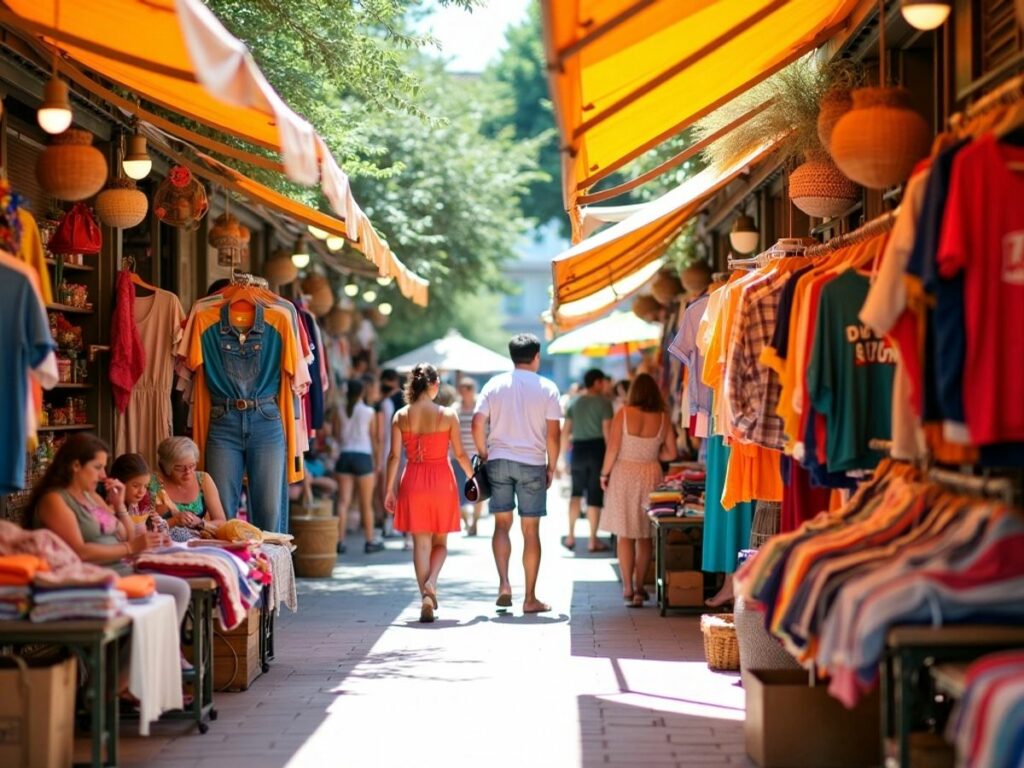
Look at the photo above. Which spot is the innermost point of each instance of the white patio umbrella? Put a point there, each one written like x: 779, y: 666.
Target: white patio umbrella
x: 618, y: 333
x: 454, y: 352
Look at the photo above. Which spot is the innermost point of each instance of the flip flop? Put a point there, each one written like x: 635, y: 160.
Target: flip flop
x: 638, y: 601
x: 567, y: 545
x: 504, y: 601
x: 601, y: 547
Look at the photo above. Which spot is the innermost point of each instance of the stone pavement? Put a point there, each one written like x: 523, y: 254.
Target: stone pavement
x: 357, y: 681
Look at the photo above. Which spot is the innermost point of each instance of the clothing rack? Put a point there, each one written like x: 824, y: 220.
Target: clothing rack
x: 786, y: 246
x: 873, y: 228
x: 993, y: 487
x: 1008, y: 93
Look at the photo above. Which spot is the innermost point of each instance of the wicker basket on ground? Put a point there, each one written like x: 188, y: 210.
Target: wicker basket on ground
x: 721, y: 648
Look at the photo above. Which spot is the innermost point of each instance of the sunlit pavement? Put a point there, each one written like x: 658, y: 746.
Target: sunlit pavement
x: 357, y: 681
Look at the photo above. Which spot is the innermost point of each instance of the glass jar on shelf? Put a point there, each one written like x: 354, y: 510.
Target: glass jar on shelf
x: 64, y: 373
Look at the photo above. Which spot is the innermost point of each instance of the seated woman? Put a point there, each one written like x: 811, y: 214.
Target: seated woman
x: 66, y: 501
x: 184, y: 496
x: 133, y: 471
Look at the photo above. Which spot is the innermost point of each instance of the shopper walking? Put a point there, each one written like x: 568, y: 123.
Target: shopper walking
x: 427, y: 501
x: 521, y: 411
x: 640, y: 438
x: 354, y: 468
x: 586, y: 430
x: 467, y: 407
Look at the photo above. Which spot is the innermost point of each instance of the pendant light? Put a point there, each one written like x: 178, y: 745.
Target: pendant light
x: 369, y: 296
x: 925, y: 14
x: 335, y: 243
x: 385, y: 281
x: 318, y: 233
x: 137, y: 163
x: 54, y: 115
x: 300, y: 254
x: 351, y: 290
x: 385, y: 309
x: 744, y: 236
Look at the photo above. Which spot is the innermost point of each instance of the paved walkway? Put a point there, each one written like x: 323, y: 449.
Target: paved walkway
x: 359, y: 682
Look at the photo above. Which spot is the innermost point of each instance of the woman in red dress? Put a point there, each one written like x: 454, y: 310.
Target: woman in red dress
x: 427, y: 502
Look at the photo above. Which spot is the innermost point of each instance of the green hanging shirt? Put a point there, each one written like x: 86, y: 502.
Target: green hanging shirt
x: 850, y: 375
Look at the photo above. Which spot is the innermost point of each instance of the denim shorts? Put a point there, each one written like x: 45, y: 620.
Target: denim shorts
x: 353, y: 463
x: 518, y: 485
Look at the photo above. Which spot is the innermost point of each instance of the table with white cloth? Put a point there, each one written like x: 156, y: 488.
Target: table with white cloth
x: 155, y: 666
x: 280, y: 592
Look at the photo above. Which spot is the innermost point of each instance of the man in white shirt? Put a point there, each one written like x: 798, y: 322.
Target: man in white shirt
x: 522, y: 412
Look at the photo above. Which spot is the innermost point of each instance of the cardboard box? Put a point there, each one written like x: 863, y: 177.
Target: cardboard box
x: 792, y: 725
x: 679, y: 557
x: 685, y: 588
x: 37, y: 714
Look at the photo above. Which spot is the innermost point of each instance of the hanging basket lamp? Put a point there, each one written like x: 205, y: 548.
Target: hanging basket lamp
x: 321, y: 295
x: 879, y: 141
x: 834, y: 104
x: 226, y: 236
x: 646, y: 307
x: 818, y: 188
x: 71, y: 168
x: 338, y: 321
x: 666, y: 287
x: 180, y: 200
x: 121, y: 205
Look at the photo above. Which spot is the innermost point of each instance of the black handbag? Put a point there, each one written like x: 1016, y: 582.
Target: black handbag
x: 478, y: 487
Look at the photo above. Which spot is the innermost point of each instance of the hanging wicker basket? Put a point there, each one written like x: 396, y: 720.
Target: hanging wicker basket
x: 280, y: 270
x: 878, y: 142
x: 767, y: 518
x: 180, y: 200
x: 246, y: 236
x: 121, y: 205
x: 338, y: 321
x: 819, y: 189
x: 665, y: 287
x: 71, y: 168
x: 226, y: 236
x: 321, y: 300
x: 721, y: 647
x: 646, y: 307
x: 834, y: 104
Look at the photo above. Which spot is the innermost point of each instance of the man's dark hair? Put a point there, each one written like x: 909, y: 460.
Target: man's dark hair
x: 523, y: 347
x: 389, y: 376
x: 593, y: 376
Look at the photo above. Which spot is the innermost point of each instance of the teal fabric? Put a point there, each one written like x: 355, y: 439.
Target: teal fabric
x: 726, y: 531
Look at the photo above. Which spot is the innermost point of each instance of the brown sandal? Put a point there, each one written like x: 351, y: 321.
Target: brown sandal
x: 426, y: 610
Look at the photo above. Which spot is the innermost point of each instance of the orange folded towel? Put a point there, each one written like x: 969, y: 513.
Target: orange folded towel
x: 136, y: 586
x: 18, y: 570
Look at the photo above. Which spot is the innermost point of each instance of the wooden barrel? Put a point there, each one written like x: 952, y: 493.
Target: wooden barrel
x: 314, y: 508
x: 316, y: 542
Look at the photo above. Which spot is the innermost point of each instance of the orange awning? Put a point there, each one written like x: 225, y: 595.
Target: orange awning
x: 593, y: 276
x: 176, y: 54
x: 626, y: 75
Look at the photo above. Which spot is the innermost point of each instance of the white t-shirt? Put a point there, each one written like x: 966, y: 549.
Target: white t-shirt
x: 519, y: 405
x: 355, y: 429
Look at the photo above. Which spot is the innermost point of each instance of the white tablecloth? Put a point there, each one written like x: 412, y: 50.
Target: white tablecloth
x: 155, y: 667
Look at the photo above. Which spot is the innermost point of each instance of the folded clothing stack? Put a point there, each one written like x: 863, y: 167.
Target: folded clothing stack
x: 84, y: 591
x: 16, y: 574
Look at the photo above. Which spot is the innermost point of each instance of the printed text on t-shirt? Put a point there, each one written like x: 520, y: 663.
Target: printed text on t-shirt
x: 869, y: 347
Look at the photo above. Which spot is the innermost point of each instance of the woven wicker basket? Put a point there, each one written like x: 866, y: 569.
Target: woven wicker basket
x: 721, y: 648
x: 878, y: 142
x: 646, y: 307
x: 180, y: 200
x: 121, y: 204
x: 766, y: 522
x: 338, y: 321
x: 819, y: 189
x: 71, y: 168
x: 834, y: 104
x: 665, y: 287
x: 279, y: 269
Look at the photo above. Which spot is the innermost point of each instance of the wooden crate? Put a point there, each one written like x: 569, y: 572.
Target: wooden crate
x: 236, y: 654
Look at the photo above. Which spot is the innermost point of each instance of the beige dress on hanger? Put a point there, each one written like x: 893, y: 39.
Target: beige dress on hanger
x: 147, y: 420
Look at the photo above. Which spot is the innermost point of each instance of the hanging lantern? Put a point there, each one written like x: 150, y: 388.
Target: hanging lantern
x: 744, y: 235
x: 279, y: 269
x: 646, y: 307
x: 834, y: 104
x: 226, y: 236
x: 666, y: 287
x: 378, y: 318
x: 71, y: 168
x: 180, y: 200
x: 321, y: 295
x: 121, y: 205
x: 338, y: 321
x: 878, y: 142
x: 819, y: 189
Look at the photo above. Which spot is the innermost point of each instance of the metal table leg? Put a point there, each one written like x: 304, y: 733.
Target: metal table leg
x: 97, y: 707
x: 111, y: 701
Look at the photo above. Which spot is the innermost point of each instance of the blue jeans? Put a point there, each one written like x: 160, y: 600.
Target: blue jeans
x: 250, y: 442
x: 514, y: 484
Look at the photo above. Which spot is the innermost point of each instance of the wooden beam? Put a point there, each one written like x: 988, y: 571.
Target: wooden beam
x: 764, y: 171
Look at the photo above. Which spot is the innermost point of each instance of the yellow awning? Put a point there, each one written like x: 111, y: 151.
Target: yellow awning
x: 175, y: 53
x: 626, y: 75
x: 593, y: 276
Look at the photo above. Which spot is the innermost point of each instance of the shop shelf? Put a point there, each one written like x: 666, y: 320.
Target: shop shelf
x: 67, y: 428
x: 68, y: 308
x: 72, y: 385
x: 72, y: 267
